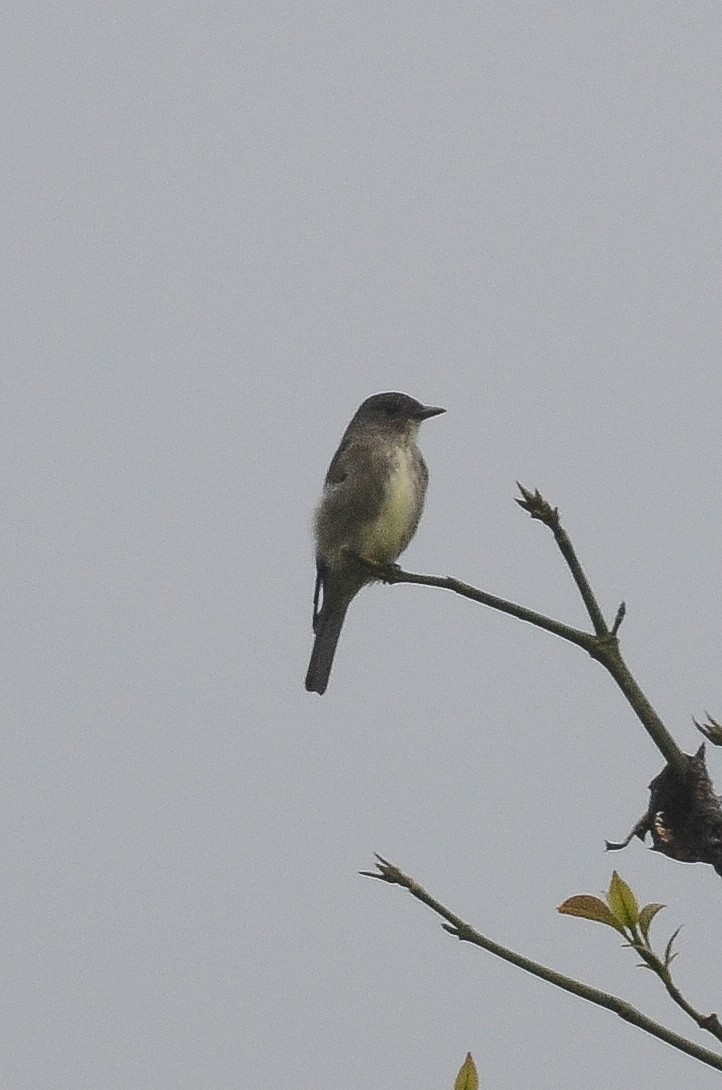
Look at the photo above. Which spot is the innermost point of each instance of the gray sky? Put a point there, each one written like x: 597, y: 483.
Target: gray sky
x: 225, y: 225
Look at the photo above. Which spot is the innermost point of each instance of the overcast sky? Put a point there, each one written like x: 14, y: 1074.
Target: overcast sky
x: 224, y: 226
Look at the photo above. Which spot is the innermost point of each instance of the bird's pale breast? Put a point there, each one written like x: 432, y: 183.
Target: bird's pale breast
x: 389, y: 534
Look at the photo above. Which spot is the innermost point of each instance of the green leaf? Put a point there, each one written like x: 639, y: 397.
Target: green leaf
x: 467, y: 1079
x: 587, y: 907
x: 622, y: 902
x: 646, y: 916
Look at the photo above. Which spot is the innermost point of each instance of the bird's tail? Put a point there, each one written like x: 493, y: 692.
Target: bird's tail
x: 328, y: 630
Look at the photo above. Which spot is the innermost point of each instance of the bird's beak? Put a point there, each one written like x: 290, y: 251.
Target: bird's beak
x: 428, y: 410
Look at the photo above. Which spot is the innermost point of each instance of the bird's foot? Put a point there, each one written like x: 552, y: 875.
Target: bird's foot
x: 382, y: 571
x: 379, y: 570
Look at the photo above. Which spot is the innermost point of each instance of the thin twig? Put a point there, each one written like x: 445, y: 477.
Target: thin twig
x: 602, y: 644
x: 581, y: 639
x: 388, y: 872
x: 605, y: 649
x: 535, y: 504
x: 708, y: 1022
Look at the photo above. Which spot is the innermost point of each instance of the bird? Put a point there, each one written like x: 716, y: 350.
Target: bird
x: 372, y: 501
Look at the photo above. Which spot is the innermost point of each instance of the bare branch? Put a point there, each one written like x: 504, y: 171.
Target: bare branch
x: 535, y: 504
x: 605, y: 649
x: 621, y: 614
x: 395, y: 574
x: 708, y: 1022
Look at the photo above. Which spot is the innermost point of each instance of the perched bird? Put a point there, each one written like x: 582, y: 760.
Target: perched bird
x: 372, y: 501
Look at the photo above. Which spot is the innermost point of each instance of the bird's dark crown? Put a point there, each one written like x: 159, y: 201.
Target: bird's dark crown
x: 395, y: 406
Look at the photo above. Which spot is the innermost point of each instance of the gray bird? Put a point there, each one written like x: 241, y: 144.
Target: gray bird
x: 372, y: 501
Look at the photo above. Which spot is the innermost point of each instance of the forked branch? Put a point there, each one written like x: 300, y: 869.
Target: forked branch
x: 387, y: 872
x: 602, y: 644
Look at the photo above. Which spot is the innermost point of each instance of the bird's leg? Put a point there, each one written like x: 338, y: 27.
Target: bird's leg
x: 376, y: 568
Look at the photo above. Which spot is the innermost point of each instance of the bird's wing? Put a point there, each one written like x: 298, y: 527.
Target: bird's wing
x: 340, y: 468
x: 355, y: 480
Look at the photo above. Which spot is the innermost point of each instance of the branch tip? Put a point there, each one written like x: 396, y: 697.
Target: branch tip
x: 712, y: 730
x: 621, y: 614
x: 386, y: 872
x: 536, y: 506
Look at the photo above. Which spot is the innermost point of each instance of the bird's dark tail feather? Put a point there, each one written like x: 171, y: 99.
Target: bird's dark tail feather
x: 328, y: 630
